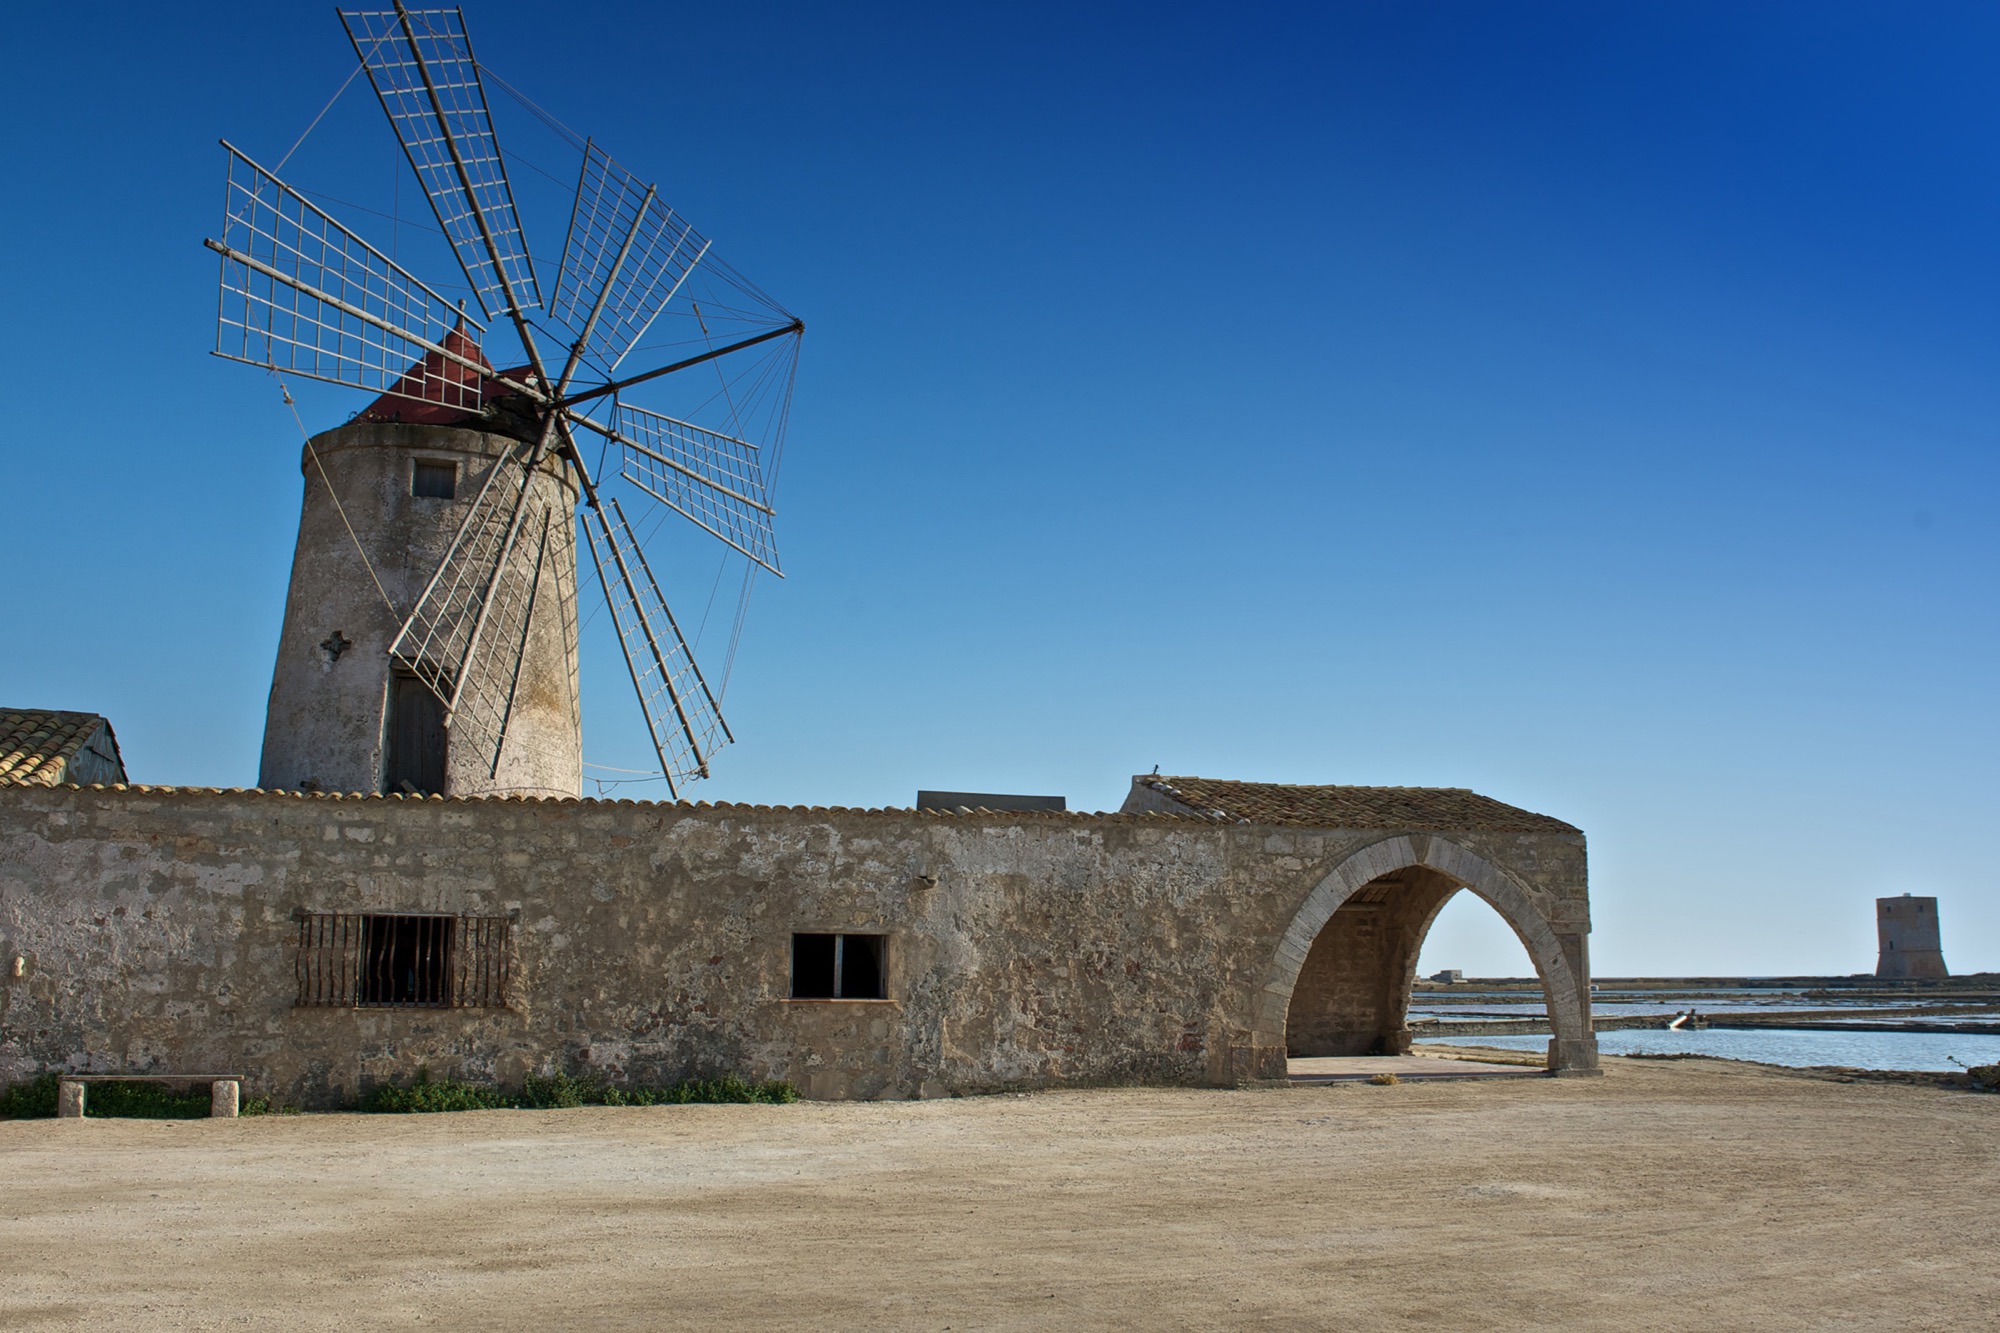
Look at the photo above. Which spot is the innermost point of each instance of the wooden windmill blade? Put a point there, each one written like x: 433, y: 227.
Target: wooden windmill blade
x: 682, y: 714
x: 302, y: 294
x: 421, y: 65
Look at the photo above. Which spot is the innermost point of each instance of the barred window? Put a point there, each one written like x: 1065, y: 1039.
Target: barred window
x: 402, y: 960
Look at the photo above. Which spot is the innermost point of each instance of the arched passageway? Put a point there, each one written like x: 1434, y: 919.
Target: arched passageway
x: 1340, y: 984
x: 1352, y: 996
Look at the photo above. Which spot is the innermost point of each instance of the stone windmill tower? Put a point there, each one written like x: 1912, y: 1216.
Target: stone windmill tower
x: 430, y: 635
x: 345, y: 713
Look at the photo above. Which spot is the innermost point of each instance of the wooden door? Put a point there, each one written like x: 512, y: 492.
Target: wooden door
x: 416, y: 738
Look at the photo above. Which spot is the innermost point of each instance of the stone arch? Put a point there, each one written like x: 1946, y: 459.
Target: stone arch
x: 1558, y: 962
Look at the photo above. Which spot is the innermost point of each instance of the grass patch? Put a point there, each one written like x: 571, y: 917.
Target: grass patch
x: 265, y: 1106
x: 428, y: 1094
x: 540, y: 1092
x: 33, y: 1100
x: 1385, y: 1080
x: 707, y: 1091
x: 144, y: 1101
x: 36, y: 1100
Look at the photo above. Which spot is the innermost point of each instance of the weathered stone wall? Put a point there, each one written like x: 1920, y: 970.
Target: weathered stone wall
x: 653, y: 941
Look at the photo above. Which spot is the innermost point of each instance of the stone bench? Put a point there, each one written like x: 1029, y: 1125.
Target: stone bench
x: 225, y: 1091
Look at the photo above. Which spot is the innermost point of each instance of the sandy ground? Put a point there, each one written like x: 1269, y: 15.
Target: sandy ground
x: 1692, y: 1195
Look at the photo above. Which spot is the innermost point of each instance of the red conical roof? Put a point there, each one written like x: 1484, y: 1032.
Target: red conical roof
x: 437, y: 391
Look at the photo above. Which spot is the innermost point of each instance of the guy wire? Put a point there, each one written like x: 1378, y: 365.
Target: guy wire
x: 575, y: 139
x: 359, y: 549
x: 359, y: 65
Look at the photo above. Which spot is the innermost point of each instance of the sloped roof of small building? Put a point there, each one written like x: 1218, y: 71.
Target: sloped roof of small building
x: 36, y: 744
x: 1431, y: 809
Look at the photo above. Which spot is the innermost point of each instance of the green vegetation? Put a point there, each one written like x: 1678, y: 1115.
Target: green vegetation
x: 144, y: 1101
x: 728, y: 1088
x: 265, y: 1106
x: 33, y: 1100
x: 36, y: 1100
x: 428, y: 1094
x: 560, y: 1090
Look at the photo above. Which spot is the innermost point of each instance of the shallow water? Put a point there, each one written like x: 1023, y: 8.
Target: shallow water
x: 1856, y: 1050
x: 1422, y: 1007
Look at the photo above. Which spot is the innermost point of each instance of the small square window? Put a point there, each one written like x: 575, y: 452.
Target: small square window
x: 434, y: 481
x: 838, y: 967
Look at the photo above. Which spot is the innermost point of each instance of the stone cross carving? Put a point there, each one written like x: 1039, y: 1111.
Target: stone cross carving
x: 334, y: 645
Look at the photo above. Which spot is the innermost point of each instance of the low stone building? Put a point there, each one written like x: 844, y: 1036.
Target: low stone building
x: 321, y: 943
x: 47, y: 747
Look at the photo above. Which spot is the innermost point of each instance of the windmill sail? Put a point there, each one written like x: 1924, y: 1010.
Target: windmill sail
x: 716, y: 480
x: 420, y: 61
x: 302, y: 294
x: 489, y: 682
x: 464, y: 603
x: 625, y: 257
x: 681, y: 713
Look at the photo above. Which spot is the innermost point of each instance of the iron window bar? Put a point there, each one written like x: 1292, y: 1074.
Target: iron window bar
x: 403, y: 960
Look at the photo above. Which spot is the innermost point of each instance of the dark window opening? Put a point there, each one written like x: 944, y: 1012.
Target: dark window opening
x: 416, y: 738
x: 837, y: 967
x: 398, y: 960
x: 405, y: 960
x: 434, y: 481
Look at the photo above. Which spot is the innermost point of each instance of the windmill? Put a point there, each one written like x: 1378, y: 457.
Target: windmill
x: 552, y: 446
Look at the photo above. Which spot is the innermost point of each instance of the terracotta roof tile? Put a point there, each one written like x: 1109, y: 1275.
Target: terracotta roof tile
x: 1432, y: 809
x: 36, y: 744
x: 719, y: 807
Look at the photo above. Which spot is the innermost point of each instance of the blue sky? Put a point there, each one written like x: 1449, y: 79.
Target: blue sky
x: 1590, y: 405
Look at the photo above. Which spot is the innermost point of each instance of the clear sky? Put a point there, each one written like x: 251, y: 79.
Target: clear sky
x: 1592, y: 405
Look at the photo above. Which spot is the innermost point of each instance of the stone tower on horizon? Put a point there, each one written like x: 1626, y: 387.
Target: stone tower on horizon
x: 385, y: 495
x: 1911, y: 947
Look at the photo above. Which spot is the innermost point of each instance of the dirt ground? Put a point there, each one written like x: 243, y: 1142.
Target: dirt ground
x: 1690, y: 1195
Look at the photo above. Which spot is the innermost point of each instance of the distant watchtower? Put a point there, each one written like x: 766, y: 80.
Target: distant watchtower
x: 1911, y: 947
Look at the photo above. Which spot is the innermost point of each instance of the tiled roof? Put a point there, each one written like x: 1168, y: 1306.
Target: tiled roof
x: 1194, y: 800
x: 978, y: 815
x: 1433, y: 809
x: 36, y: 744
